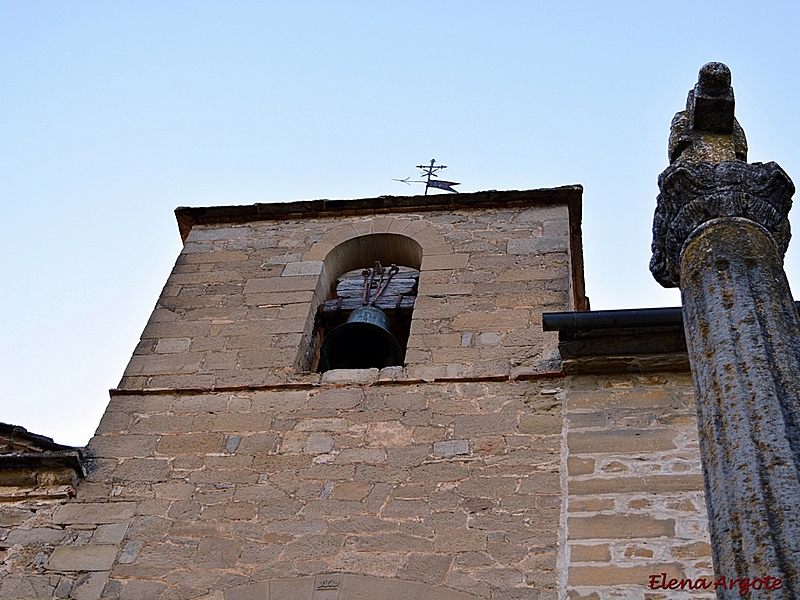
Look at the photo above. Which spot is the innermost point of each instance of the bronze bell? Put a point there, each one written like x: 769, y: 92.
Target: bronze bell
x: 364, y: 342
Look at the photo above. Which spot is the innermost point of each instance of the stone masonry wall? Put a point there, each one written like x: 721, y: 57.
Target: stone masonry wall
x: 634, y: 485
x: 238, y: 308
x: 452, y: 488
x: 221, y: 470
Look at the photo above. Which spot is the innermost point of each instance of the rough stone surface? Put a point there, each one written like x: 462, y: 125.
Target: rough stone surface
x: 240, y: 310
x: 223, y: 470
x: 451, y: 448
x: 745, y: 354
x: 720, y: 231
x: 633, y: 508
x: 83, y: 558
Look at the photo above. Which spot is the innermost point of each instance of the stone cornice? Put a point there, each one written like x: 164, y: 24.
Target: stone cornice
x: 309, y: 209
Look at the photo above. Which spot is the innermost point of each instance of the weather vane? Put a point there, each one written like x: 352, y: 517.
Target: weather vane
x: 429, y: 171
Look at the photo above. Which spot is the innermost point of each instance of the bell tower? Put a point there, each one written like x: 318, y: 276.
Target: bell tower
x: 242, y: 458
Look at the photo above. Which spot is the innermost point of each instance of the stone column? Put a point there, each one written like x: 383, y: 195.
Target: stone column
x: 720, y: 233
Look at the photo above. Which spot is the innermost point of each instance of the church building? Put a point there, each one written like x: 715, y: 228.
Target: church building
x: 471, y: 438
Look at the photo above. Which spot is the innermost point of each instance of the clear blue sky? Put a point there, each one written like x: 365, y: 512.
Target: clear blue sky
x: 114, y: 113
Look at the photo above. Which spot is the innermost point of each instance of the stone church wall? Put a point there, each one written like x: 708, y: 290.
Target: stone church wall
x: 226, y: 469
x: 634, y: 486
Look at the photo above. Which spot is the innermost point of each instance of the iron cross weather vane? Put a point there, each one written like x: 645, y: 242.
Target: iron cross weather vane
x: 429, y: 171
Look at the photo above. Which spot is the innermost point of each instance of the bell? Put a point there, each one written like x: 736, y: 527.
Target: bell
x: 364, y: 342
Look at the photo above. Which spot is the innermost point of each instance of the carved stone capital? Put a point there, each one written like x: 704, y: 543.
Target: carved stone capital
x: 693, y: 193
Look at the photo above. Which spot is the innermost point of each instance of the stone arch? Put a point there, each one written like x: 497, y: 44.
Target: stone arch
x: 344, y: 586
x: 401, y: 240
x: 388, y: 239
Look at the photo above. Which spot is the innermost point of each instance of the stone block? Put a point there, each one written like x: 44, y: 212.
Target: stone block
x: 361, y: 455
x: 313, y: 546
x: 37, y: 535
x: 251, y: 591
x: 340, y: 398
x: 405, y: 509
x: 318, y: 444
x: 590, y: 504
x: 638, y: 552
x: 619, y: 527
x: 190, y: 443
x: 264, y: 285
x: 242, y: 422
x: 541, y: 482
x: 444, y: 262
x: 119, y: 446
x: 63, y: 589
x: 529, y: 593
x: 114, y: 422
x: 583, y: 420
x: 205, y: 233
x: 537, y: 245
x: 442, y: 593
x: 199, y: 403
x: 532, y: 273
x: 393, y: 542
x: 165, y: 364
x: 365, y: 587
x: 217, y: 553
x: 639, y: 399
x: 650, y: 484
x: 112, y: 533
x: 488, y: 487
x: 153, y: 527
x: 356, y: 376
x: 168, y: 555
x: 460, y: 540
x: 172, y: 345
x: 498, y: 320
x: 263, y: 327
x: 161, y: 423
x: 475, y: 425
x: 450, y: 448
x: 93, y: 513
x: 17, y: 587
x: 354, y: 491
x: 388, y: 434
x: 438, y: 472
x: 426, y: 568
x: 214, y: 256
x: 612, y: 575
x: 550, y: 424
x: 95, y: 557
x: 408, y: 456
x: 142, y: 590
x: 258, y: 443
x: 279, y: 401
x: 555, y: 228
x: 596, y: 553
x: 303, y: 268
x: 89, y: 586
x: 446, y: 289
x: 620, y: 441
x: 143, y: 469
x: 176, y: 329
x: 691, y: 551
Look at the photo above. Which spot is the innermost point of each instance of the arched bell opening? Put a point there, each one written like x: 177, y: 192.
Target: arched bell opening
x: 366, y: 320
